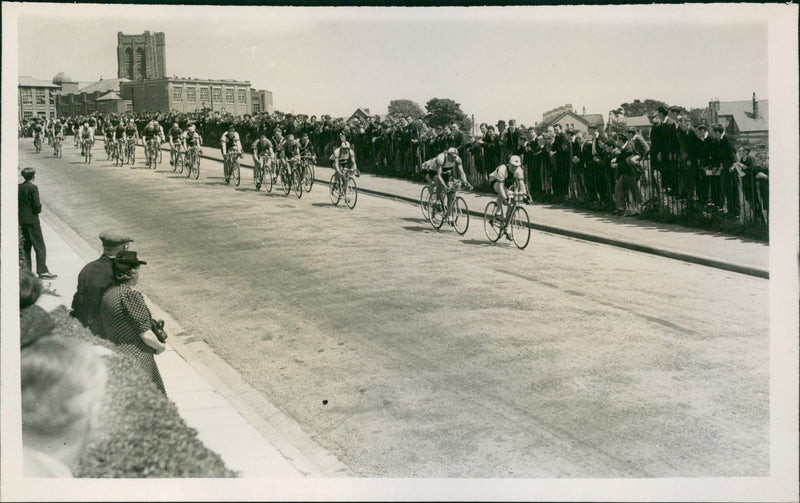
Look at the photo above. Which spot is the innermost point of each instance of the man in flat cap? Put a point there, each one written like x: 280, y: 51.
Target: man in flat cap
x: 94, y: 279
x: 29, y: 206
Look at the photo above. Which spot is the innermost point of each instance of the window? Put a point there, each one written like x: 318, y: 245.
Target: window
x: 40, y: 97
x: 27, y: 96
x: 129, y: 106
x: 204, y: 94
x: 177, y: 93
x: 217, y: 94
x: 27, y: 114
x: 41, y: 114
x: 52, y: 97
x: 229, y: 96
x: 52, y: 114
x: 242, y: 96
x: 256, y: 107
x: 191, y: 94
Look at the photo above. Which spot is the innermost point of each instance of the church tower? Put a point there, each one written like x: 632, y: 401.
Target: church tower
x: 141, y: 57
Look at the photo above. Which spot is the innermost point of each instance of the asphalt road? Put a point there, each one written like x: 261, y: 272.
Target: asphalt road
x: 441, y: 355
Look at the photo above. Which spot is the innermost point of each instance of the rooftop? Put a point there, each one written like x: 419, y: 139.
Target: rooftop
x: 27, y: 81
x: 742, y: 112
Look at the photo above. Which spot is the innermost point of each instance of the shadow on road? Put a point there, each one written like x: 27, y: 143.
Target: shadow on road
x: 323, y: 205
x: 418, y: 228
x: 478, y: 242
x: 417, y: 220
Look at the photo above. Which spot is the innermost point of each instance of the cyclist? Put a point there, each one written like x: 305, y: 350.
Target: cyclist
x: 445, y: 163
x: 230, y: 139
x: 87, y: 138
x: 151, y: 131
x: 262, y: 151
x: 119, y: 136
x: 278, y: 140
x: 307, y: 148
x: 109, y: 131
x: 58, y: 132
x: 344, y: 157
x: 506, y: 176
x: 191, y: 138
x: 175, y: 141
x: 38, y: 131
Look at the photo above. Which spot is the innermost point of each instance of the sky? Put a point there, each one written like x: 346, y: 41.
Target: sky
x: 498, y: 63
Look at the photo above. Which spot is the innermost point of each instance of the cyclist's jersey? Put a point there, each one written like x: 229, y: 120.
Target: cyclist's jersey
x: 507, y: 176
x: 193, y: 139
x: 87, y: 133
x: 443, y: 161
x: 131, y: 131
x: 37, y: 129
x: 306, y: 148
x: 58, y: 129
x: 92, y: 123
x: 278, y: 142
x: 345, y: 158
x: 230, y: 140
x: 120, y: 131
x: 261, y: 147
x: 290, y: 149
x: 109, y: 129
x: 150, y: 132
x: 175, y: 134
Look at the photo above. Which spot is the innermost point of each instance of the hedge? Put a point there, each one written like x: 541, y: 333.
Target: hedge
x: 140, y: 433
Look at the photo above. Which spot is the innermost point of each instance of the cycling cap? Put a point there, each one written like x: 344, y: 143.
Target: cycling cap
x: 345, y: 144
x: 191, y: 128
x: 515, y: 160
x: 452, y: 151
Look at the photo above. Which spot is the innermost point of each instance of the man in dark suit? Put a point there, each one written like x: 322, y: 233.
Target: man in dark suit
x: 29, y: 207
x: 94, y: 279
x: 730, y: 177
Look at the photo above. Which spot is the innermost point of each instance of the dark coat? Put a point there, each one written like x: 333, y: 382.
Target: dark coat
x: 28, y: 203
x: 94, y: 279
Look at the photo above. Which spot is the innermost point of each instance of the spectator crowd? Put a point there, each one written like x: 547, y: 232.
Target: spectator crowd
x: 675, y: 167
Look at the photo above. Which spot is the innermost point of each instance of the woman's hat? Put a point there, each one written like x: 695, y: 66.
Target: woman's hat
x: 128, y: 257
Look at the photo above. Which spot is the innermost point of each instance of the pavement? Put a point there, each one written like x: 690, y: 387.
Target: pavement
x: 707, y: 248
x: 226, y: 423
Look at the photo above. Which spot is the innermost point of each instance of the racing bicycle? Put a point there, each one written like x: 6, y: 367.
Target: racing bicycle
x: 515, y: 225
x: 344, y: 185
x: 193, y: 162
x: 231, y: 166
x: 455, y: 212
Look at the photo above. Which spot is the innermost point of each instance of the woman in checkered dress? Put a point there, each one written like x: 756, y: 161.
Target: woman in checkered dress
x: 126, y: 318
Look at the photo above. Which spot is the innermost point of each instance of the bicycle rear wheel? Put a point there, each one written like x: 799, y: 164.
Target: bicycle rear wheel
x: 424, y: 205
x: 297, y: 182
x: 267, y: 176
x: 308, y: 177
x: 437, y: 209
x: 460, y: 216
x: 235, y: 172
x: 196, y: 168
x: 350, y: 192
x: 258, y: 175
x: 520, y: 227
x: 492, y: 225
x: 285, y: 177
x: 334, y: 190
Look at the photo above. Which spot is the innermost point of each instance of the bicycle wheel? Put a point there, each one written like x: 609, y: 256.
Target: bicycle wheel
x: 520, y: 227
x: 350, y: 192
x: 334, y: 190
x: 286, y: 178
x: 189, y: 164
x: 492, y: 226
x: 179, y: 162
x: 308, y: 177
x: 196, y: 168
x: 132, y: 157
x: 297, y: 182
x: 424, y: 196
x: 267, y: 177
x: 235, y: 172
x: 173, y: 157
x: 460, y: 216
x: 436, y: 209
x: 226, y: 170
x: 153, y: 156
x: 160, y: 155
x: 257, y: 175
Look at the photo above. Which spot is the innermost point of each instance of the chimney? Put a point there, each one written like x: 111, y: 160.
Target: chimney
x: 584, y: 111
x: 755, y: 106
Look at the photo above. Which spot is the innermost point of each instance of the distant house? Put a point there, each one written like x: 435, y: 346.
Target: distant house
x: 746, y: 120
x: 361, y: 113
x: 100, y: 96
x: 640, y: 123
x: 567, y: 118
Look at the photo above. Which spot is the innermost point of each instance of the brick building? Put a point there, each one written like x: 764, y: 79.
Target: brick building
x: 94, y: 97
x: 744, y: 120
x: 189, y: 95
x: 142, y: 56
x: 36, y: 98
x: 262, y: 101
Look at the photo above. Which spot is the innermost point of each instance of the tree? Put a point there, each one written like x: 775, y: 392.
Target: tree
x: 639, y: 107
x: 405, y: 108
x: 444, y: 111
x: 698, y: 115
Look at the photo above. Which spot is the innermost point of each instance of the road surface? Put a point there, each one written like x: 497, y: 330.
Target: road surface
x: 408, y: 352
